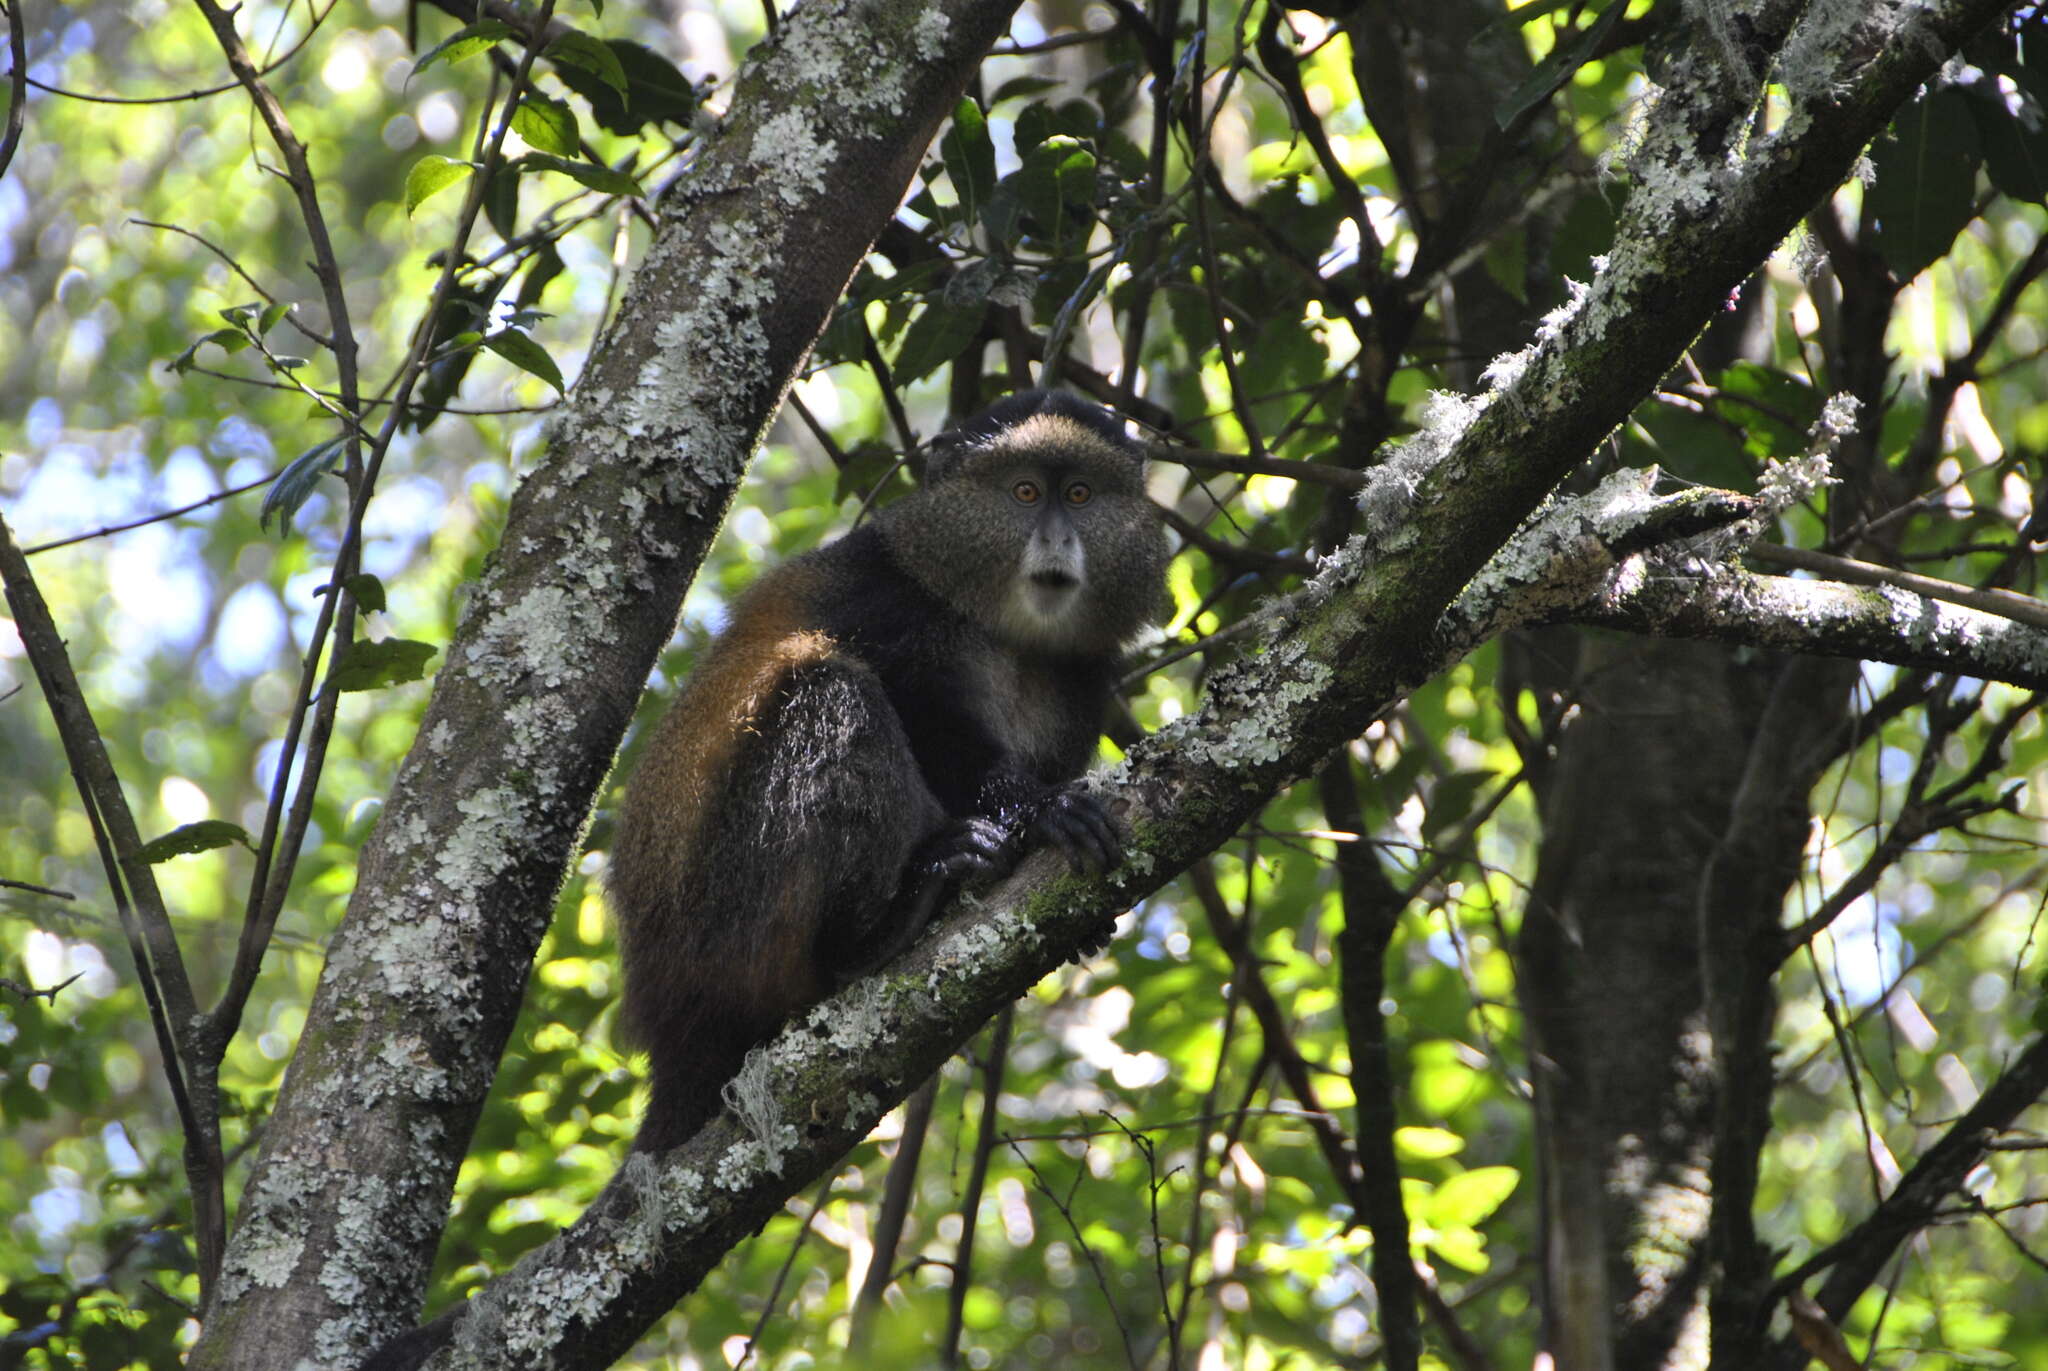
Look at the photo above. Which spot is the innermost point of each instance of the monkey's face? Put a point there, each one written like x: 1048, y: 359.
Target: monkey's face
x: 1047, y: 585
x: 1041, y: 534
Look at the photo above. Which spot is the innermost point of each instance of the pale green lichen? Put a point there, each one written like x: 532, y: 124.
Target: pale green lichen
x: 1250, y: 720
x: 1388, y: 497
x: 494, y: 824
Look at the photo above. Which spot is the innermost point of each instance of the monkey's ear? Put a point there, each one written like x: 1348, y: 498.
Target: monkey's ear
x: 943, y: 453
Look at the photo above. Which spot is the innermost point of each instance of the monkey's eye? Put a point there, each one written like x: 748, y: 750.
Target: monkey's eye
x: 1026, y: 492
x: 1079, y: 493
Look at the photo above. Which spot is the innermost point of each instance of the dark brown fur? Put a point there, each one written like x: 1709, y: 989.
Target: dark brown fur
x: 881, y: 718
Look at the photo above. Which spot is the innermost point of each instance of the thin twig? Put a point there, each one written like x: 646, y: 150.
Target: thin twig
x: 896, y: 1196
x: 292, y: 318
x: 159, y: 965
x: 185, y: 96
x: 782, y: 1275
x: 35, y: 889
x: 17, y: 80
x: 1206, y: 459
x: 985, y: 1139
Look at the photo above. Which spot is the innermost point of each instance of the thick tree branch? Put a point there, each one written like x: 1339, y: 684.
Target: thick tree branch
x: 423, y: 979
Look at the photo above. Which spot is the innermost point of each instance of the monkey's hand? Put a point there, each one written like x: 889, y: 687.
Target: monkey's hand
x: 964, y: 850
x: 1074, y: 821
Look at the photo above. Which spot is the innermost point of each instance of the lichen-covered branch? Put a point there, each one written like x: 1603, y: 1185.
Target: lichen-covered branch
x: 1826, y: 618
x: 340, y: 1217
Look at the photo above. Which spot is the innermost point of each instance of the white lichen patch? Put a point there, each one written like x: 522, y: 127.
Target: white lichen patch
x: 531, y: 640
x: 750, y: 1094
x: 1559, y: 556
x: 856, y: 64
x: 1389, y: 493
x: 792, y: 157
x: 492, y: 828
x: 973, y: 943
x: 1815, y: 60
x: 857, y: 1020
x: 262, y: 1259
x: 1554, y: 323
x: 1249, y: 721
x: 411, y: 954
x: 271, y: 1239
x: 682, y: 1197
x: 363, y: 1242
x: 862, y: 1109
x: 409, y: 1060
x: 746, y: 1161
x: 929, y: 37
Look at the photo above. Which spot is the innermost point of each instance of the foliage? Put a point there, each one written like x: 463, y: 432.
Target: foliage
x: 1213, y: 228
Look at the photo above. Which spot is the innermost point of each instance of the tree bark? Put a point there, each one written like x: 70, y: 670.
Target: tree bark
x: 339, y: 1221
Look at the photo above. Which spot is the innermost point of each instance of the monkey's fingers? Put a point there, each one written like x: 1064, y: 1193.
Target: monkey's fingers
x: 967, y: 848
x: 1076, y: 823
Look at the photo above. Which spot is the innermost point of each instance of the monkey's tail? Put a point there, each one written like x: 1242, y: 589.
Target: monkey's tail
x: 686, y: 1082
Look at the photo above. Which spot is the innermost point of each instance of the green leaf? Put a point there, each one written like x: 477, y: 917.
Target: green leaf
x: 1517, y: 18
x: 272, y: 316
x: 549, y: 125
x: 522, y: 352
x: 1557, y: 67
x: 1038, y: 121
x: 589, y: 54
x: 655, y: 90
x: 1427, y: 1144
x: 229, y: 340
x: 1462, y: 1248
x: 1450, y: 800
x: 1926, y: 184
x: 1019, y: 86
x: 545, y: 265
x: 466, y: 42
x: 589, y: 173
x: 1056, y: 184
x: 2015, y: 156
x: 366, y: 590
x: 866, y: 467
x: 368, y: 666
x: 501, y: 201
x: 297, y: 482
x: 938, y: 335
x: 1775, y: 408
x: 186, y: 839
x: 429, y: 176
x: 969, y: 156
x: 1468, y: 1198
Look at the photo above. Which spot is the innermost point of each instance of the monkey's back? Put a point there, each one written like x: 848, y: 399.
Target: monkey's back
x: 752, y: 817
x: 843, y: 716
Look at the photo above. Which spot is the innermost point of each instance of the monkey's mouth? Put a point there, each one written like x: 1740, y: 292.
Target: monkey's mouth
x: 1055, y: 581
